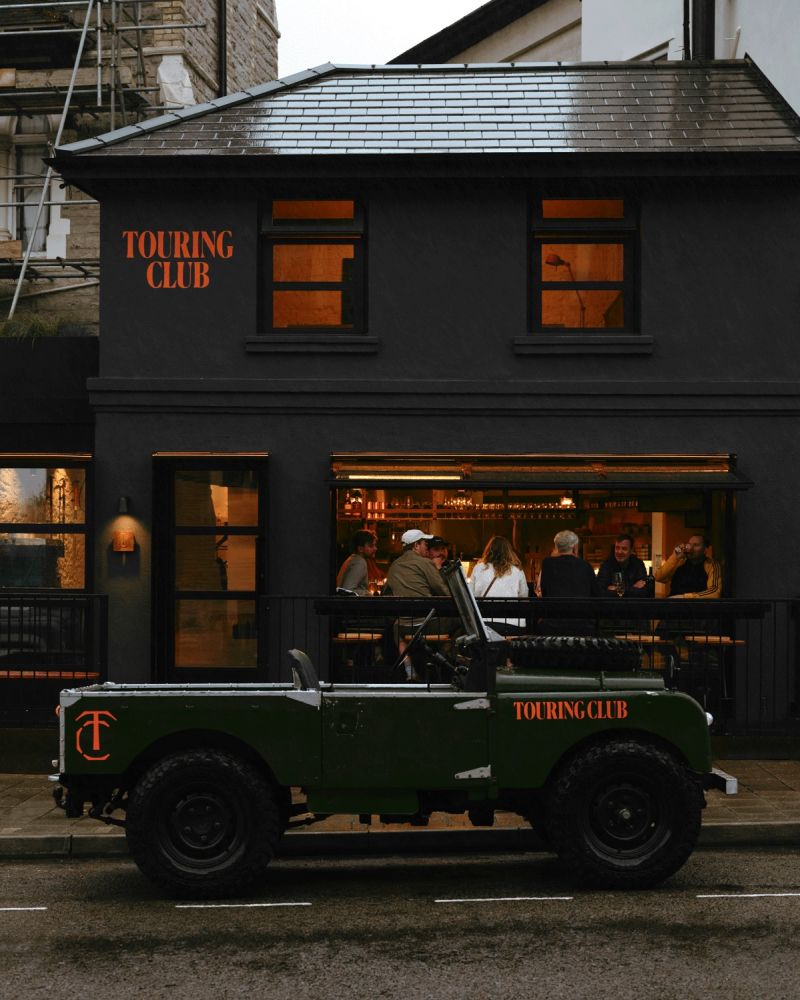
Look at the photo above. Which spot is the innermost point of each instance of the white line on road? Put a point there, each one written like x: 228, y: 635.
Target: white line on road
x: 22, y: 909
x: 231, y: 906
x: 509, y: 899
x: 747, y: 895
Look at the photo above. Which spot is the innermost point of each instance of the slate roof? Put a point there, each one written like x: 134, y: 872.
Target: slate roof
x: 505, y: 108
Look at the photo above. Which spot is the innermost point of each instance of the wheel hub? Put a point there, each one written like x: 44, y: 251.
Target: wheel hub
x: 623, y: 815
x: 201, y: 821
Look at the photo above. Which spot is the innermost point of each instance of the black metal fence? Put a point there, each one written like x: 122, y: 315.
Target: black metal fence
x: 738, y: 658
x: 48, y: 642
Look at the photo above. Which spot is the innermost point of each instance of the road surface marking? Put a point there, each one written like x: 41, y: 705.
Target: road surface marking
x: 747, y: 895
x: 509, y: 899
x: 22, y: 909
x: 231, y: 906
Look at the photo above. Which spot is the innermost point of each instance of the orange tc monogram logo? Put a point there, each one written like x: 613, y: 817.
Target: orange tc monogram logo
x: 94, y: 723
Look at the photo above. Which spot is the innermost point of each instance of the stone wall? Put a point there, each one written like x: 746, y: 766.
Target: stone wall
x: 184, y: 62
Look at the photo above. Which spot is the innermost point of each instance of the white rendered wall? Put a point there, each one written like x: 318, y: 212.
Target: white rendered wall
x: 633, y: 29
x: 548, y: 34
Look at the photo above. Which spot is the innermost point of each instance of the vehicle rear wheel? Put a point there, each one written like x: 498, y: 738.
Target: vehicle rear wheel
x: 202, y: 823
x: 624, y: 815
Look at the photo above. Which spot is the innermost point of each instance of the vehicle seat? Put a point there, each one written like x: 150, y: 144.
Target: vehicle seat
x: 304, y: 674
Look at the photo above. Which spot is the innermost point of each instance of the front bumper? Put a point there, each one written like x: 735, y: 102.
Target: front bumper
x: 721, y: 780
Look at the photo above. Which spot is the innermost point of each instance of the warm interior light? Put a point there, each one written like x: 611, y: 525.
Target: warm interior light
x: 389, y: 476
x: 566, y: 502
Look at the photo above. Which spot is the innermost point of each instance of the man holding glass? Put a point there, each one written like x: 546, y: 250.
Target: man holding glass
x: 623, y: 573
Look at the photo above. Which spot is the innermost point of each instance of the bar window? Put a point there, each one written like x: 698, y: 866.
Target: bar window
x: 583, y: 255
x: 314, y: 259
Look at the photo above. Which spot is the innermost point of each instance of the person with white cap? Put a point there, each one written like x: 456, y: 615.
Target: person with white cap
x: 413, y: 574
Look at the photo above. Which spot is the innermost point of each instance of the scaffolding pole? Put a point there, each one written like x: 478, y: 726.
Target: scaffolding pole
x: 49, y: 175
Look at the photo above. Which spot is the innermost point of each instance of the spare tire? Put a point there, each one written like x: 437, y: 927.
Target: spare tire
x: 574, y: 653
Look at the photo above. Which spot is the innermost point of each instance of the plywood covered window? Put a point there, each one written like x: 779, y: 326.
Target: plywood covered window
x: 583, y: 265
x: 314, y: 263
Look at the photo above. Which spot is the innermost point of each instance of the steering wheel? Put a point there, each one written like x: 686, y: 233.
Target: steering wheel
x: 414, y: 640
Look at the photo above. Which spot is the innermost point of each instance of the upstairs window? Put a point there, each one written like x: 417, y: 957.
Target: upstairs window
x: 313, y: 257
x: 583, y: 265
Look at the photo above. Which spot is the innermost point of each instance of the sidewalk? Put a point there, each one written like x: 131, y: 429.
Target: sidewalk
x: 766, y: 811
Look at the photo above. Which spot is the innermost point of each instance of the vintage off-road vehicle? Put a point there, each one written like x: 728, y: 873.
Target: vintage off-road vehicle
x: 607, y: 762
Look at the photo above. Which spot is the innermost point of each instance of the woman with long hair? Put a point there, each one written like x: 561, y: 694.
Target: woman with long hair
x: 498, y: 573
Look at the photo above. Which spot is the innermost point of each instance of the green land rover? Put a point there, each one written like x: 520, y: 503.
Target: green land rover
x: 601, y: 757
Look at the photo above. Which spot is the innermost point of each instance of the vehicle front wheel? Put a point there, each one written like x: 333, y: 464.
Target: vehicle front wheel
x: 624, y: 815
x: 202, y: 823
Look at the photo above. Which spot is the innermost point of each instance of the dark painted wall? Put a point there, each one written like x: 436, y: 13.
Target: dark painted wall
x: 447, y: 278
x: 44, y: 405
x: 448, y: 291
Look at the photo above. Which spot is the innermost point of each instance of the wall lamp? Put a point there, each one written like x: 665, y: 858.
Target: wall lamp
x: 123, y: 541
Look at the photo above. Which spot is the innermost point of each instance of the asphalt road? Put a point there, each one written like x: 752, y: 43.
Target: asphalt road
x: 727, y: 925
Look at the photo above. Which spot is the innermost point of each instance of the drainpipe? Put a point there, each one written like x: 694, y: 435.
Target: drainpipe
x: 687, y: 38
x: 703, y: 29
x: 222, y: 48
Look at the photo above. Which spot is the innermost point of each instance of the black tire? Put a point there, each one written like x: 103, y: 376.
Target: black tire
x: 203, y: 824
x: 574, y: 653
x: 624, y: 815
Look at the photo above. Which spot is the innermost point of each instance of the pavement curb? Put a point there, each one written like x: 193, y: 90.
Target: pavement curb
x: 325, y: 844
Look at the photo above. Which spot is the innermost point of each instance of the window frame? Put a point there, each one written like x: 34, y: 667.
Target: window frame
x: 313, y: 232
x: 623, y: 231
x: 165, y: 590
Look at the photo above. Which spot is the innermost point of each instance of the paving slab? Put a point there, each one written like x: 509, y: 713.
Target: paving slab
x: 766, y: 812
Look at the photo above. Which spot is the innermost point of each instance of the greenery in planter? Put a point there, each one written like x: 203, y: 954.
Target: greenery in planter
x: 33, y: 326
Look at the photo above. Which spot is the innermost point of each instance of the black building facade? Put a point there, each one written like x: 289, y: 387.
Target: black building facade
x: 475, y: 300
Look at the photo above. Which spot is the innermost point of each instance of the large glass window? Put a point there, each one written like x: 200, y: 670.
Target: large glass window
x: 313, y: 254
x: 658, y: 500
x: 583, y: 264
x: 43, y: 526
x: 209, y: 564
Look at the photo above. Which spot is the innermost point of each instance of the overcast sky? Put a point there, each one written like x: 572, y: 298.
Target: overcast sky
x: 358, y: 31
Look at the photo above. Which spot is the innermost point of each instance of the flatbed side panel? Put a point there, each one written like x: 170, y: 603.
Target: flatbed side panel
x: 534, y: 730
x: 104, y: 732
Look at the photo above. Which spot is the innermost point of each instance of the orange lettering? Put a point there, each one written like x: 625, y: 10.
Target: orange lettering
x: 150, y: 274
x: 518, y: 709
x: 129, y: 235
x: 225, y: 250
x: 201, y: 278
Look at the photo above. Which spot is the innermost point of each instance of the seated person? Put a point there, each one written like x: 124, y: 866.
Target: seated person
x: 438, y: 550
x: 565, y: 574
x: 622, y: 560
x: 498, y: 573
x: 353, y: 574
x: 413, y: 573
x: 690, y: 572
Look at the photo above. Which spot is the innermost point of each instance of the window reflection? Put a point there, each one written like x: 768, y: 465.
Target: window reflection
x: 52, y: 495
x: 215, y: 633
x: 575, y: 308
x: 42, y: 559
x: 208, y: 497
x: 215, y: 562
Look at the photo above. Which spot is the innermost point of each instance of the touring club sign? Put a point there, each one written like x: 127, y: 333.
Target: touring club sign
x: 178, y: 258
